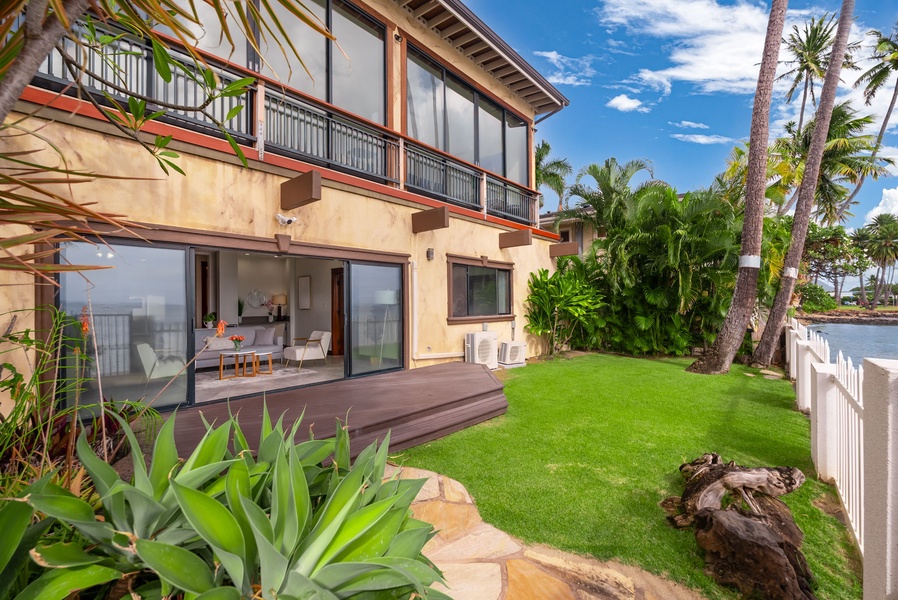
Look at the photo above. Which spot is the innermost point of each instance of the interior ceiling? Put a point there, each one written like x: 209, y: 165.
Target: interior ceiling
x: 459, y: 27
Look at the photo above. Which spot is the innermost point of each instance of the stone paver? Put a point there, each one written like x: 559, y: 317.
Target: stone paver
x: 480, y: 562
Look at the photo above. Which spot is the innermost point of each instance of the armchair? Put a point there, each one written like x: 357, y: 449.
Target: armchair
x: 313, y: 347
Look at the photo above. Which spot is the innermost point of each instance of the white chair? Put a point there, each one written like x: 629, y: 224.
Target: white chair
x: 313, y: 347
x: 158, y: 368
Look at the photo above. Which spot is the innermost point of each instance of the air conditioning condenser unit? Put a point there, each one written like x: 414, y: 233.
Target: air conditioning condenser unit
x: 512, y: 354
x: 482, y: 348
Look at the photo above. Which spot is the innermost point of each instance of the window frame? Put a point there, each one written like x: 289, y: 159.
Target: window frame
x: 483, y: 261
x: 413, y: 49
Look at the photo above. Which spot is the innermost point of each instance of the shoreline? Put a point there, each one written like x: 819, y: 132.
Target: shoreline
x: 864, y: 318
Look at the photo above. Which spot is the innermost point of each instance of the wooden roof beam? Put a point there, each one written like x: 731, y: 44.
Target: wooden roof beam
x: 424, y: 8
x: 452, y: 30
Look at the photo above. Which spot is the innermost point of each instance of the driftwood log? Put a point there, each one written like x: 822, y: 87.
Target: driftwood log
x: 748, y: 535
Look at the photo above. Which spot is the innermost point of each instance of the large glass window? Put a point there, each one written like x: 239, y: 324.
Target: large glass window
x: 209, y: 36
x: 310, y: 45
x: 375, y: 297
x: 479, y: 291
x: 425, y: 102
x: 445, y: 113
x: 358, y: 77
x: 140, y: 322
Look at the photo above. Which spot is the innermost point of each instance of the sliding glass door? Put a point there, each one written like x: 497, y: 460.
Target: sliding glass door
x: 375, y: 336
x: 139, y: 340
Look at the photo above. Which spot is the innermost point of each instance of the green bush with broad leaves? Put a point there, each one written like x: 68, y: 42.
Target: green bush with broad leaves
x: 814, y: 298
x: 563, y: 309
x: 291, y: 521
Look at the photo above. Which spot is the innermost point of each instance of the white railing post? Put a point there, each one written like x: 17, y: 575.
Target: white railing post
x: 824, y: 424
x: 880, y: 479
x: 793, y: 336
x: 803, y: 375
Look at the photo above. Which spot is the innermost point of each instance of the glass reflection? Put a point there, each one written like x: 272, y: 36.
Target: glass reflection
x: 376, y: 318
x: 139, y: 321
x: 460, y: 114
x: 516, y: 150
x: 309, y: 44
x: 491, y: 137
x: 358, y: 77
x: 425, y: 102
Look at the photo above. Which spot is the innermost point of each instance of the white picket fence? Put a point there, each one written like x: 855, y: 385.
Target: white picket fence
x: 854, y: 443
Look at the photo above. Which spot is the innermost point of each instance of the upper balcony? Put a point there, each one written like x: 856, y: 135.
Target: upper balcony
x: 285, y: 122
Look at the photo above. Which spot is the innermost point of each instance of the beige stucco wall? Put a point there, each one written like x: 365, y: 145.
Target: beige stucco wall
x: 221, y: 197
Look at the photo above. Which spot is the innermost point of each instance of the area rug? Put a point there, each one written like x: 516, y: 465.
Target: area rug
x: 210, y: 387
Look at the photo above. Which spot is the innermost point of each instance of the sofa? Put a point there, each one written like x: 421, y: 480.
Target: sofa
x: 258, y: 338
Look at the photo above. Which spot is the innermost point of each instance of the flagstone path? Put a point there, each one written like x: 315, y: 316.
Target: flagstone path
x: 481, y: 562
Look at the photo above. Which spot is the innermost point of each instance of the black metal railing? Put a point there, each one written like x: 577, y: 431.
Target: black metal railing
x: 437, y: 175
x: 509, y: 201
x: 127, y: 63
x: 296, y: 127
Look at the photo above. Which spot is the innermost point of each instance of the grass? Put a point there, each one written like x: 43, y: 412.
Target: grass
x: 591, y: 445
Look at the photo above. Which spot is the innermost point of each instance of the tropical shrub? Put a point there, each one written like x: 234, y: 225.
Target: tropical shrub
x: 563, y: 308
x: 814, y: 298
x: 294, y: 520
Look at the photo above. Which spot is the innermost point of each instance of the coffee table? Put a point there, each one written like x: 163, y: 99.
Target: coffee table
x: 248, y: 356
x: 257, y: 366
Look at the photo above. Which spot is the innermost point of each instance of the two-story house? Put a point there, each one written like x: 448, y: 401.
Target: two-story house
x: 402, y: 172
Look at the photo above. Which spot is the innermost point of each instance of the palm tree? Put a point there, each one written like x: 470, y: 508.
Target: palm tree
x: 605, y: 205
x: 883, y: 250
x: 807, y: 192
x: 551, y: 173
x: 811, y: 51
x: 719, y: 357
x: 861, y: 239
x: 886, y: 52
x: 846, y: 158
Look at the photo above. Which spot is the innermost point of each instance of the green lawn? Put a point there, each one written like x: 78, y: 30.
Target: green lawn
x: 591, y: 445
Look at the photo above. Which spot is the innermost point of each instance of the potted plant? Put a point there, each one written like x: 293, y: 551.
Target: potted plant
x: 209, y: 319
x: 240, y: 306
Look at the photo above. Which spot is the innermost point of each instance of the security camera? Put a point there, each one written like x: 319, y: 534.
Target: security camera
x: 284, y: 220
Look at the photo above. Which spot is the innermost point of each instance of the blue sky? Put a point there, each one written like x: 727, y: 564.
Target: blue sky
x: 672, y: 81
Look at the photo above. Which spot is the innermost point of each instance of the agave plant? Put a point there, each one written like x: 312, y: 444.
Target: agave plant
x: 293, y: 521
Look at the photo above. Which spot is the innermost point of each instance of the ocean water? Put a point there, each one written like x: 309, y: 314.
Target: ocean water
x: 860, y: 341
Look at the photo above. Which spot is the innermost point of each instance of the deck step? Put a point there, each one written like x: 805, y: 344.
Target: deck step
x: 417, y: 406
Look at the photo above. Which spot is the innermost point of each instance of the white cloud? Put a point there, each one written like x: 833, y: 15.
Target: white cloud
x: 888, y: 204
x: 689, y: 125
x: 569, y: 70
x: 695, y: 138
x: 624, y: 103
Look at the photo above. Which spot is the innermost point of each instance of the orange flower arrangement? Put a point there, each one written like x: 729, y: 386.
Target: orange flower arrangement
x: 220, y: 330
x: 237, y: 339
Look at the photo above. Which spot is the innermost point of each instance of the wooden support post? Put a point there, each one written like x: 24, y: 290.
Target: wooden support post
x: 522, y: 237
x: 301, y: 190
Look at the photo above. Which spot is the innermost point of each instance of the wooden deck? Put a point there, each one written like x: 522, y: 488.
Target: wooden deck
x: 417, y: 406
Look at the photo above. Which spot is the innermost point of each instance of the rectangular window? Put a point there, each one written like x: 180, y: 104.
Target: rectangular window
x: 358, y: 78
x: 479, y: 291
x: 449, y: 115
x: 281, y: 64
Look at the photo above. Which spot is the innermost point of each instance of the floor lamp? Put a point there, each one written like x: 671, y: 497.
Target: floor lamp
x: 385, y: 298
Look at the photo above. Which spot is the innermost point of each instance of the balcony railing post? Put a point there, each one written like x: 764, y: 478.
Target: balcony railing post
x: 483, y: 195
x: 402, y: 158
x: 259, y: 117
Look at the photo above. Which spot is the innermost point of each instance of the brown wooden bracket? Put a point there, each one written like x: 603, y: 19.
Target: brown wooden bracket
x: 522, y: 237
x: 283, y: 242
x: 564, y: 249
x: 301, y: 190
x: 428, y: 220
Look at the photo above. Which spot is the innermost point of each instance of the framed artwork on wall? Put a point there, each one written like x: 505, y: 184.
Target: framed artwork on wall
x: 304, y: 292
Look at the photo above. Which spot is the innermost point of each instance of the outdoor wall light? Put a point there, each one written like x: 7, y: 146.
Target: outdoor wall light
x: 397, y: 37
x: 430, y: 254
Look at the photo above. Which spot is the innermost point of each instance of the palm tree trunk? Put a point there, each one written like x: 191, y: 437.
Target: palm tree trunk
x: 882, y: 131
x: 719, y: 357
x: 41, y: 33
x: 804, y: 100
x: 863, y: 288
x: 764, y: 353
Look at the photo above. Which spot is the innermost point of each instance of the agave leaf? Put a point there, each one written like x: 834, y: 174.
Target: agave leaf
x: 341, y: 450
x: 348, y: 488
x: 215, y: 524
x: 300, y: 587
x: 237, y: 485
x: 319, y: 539
x: 283, y: 507
x: 104, y: 477
x: 211, y: 448
x: 57, y: 584
x: 195, y: 478
x: 141, y: 480
x: 176, y: 536
x: 301, y: 498
x: 165, y: 457
x: 273, y: 564
x: 409, y: 543
x: 376, y: 540
x: 20, y: 558
x: 178, y: 566
x: 313, y: 452
x: 355, y: 526
x: 62, y: 505
x: 14, y: 520
x: 222, y: 593
x: 63, y: 555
